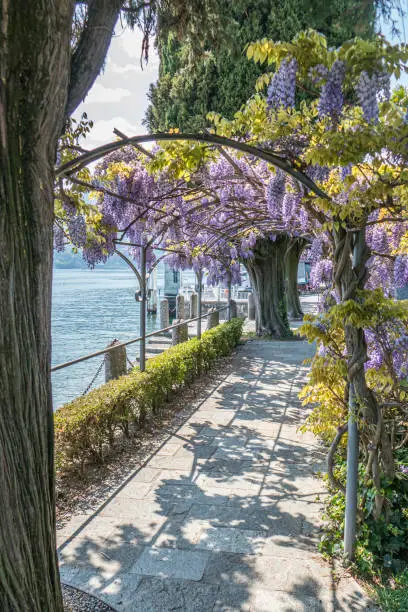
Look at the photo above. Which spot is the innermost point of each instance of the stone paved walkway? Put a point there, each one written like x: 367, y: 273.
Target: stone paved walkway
x: 224, y: 516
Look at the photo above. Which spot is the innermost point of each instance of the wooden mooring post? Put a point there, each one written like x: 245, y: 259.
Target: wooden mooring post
x: 115, y: 362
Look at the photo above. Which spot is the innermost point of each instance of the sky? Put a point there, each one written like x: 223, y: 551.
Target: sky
x: 118, y: 98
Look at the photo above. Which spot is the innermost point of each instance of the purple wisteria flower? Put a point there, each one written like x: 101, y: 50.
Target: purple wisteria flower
x: 281, y: 91
x: 318, y: 173
x: 384, y: 85
x: 290, y: 207
x: 377, y: 239
x: 331, y: 98
x: 59, y: 239
x: 401, y: 271
x: 318, y: 73
x: 77, y: 230
x: 374, y: 349
x: 69, y: 206
x: 275, y: 193
x: 315, y: 251
x: 304, y: 222
x: 366, y: 90
x: 345, y: 171
x: 387, y: 345
x: 321, y: 272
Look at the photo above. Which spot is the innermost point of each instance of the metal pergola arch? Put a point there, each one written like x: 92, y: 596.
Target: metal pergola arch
x: 70, y: 168
x: 279, y: 162
x: 239, y: 227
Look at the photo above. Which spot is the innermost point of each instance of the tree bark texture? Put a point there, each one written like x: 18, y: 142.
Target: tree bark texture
x: 34, y: 74
x: 266, y: 271
x: 350, y: 273
x: 296, y: 246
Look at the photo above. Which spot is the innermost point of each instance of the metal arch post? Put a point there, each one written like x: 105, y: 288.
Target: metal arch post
x: 131, y: 265
x: 350, y: 520
x: 143, y: 302
x: 199, y: 305
x: 229, y: 296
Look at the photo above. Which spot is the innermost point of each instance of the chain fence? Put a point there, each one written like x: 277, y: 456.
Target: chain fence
x: 98, y: 371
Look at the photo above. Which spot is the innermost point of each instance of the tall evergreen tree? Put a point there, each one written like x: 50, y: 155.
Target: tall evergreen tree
x: 222, y: 79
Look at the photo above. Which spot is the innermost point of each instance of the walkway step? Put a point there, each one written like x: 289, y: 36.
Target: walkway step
x: 158, y: 348
x: 159, y: 340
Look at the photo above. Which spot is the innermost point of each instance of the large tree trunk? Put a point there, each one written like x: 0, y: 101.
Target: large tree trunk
x: 266, y: 271
x: 296, y: 246
x: 34, y: 69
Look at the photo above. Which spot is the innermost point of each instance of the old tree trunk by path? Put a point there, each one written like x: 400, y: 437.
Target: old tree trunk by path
x: 266, y: 271
x: 41, y: 83
x: 31, y: 85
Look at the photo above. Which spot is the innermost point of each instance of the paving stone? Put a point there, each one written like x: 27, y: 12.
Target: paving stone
x: 170, y: 535
x: 233, y: 466
x: 94, y: 565
x: 213, y: 480
x: 348, y: 595
x: 192, y: 493
x: 263, y: 600
x: 115, y: 554
x: 135, y: 517
x: 218, y: 516
x: 163, y: 595
x: 224, y: 516
x: 221, y: 417
x: 262, y: 442
x: 171, y: 563
x: 180, y: 477
x: 188, y: 431
x: 90, y: 526
x: 307, y: 576
x: 255, y: 427
x: 242, y: 454
x: 226, y: 568
x: 205, y: 536
x: 145, y: 474
x: 185, y: 462
x: 135, y: 490
x: 72, y: 526
x: 216, y: 431
x: 169, y: 448
x: 193, y: 452
x: 120, y: 592
x: 233, y: 598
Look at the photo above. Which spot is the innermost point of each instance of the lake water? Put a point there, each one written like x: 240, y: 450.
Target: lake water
x: 90, y: 309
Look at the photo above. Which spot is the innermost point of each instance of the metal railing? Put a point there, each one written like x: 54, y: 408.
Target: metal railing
x: 138, y: 339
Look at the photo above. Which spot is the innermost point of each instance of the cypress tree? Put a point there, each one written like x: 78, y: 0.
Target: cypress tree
x: 220, y: 78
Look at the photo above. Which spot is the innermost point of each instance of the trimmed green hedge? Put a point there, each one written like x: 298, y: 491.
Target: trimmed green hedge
x: 87, y: 425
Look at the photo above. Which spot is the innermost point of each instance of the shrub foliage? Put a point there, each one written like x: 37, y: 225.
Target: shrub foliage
x: 85, y: 427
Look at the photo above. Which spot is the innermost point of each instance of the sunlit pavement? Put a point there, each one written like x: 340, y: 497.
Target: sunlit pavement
x: 225, y: 515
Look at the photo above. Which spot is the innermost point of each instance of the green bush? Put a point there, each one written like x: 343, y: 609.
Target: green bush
x: 381, y: 543
x: 86, y: 426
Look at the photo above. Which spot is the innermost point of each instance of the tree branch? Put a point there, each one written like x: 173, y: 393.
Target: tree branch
x: 90, y: 53
x: 336, y: 484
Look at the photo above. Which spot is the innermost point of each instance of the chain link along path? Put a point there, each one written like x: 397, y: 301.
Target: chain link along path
x: 225, y: 516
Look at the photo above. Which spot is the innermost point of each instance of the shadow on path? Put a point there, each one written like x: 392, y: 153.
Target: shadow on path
x: 224, y: 515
